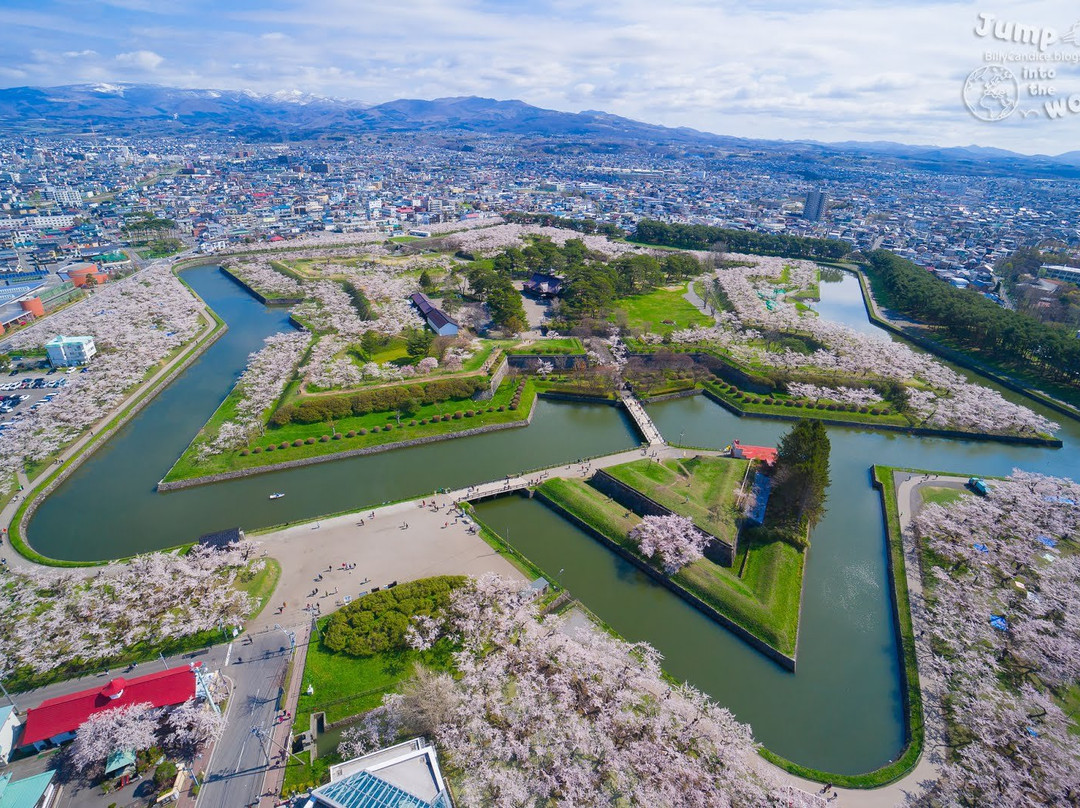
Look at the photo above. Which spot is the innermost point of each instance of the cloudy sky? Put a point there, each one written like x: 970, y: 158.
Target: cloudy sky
x: 843, y: 70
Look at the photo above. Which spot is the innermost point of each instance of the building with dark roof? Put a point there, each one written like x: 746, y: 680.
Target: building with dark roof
x: 437, y: 320
x: 542, y: 284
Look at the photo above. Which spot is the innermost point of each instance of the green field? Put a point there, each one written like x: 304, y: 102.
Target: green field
x: 381, y: 427
x: 763, y: 599
x: 560, y: 345
x: 940, y: 495
x: 649, y: 311
x: 703, y: 488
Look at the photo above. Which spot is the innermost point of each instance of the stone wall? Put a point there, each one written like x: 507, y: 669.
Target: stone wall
x: 785, y: 661
x: 717, y: 550
x: 497, y: 377
x: 266, y: 301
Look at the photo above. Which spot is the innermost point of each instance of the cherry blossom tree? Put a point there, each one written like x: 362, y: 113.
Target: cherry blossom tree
x: 1002, y: 606
x: 190, y: 726
x: 51, y: 617
x: 133, y: 728
x: 540, y: 713
x: 673, y: 540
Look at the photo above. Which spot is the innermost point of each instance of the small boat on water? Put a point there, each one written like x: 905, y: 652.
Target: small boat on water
x: 276, y: 496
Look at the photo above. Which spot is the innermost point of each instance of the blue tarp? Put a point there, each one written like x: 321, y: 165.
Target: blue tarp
x: 982, y: 548
x: 1060, y: 500
x: 999, y: 622
x: 1047, y: 541
x: 759, y: 499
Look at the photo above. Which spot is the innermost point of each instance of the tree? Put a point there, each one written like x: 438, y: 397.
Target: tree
x: 673, y: 539
x: 540, y: 715
x: 189, y: 727
x: 425, y: 280
x: 133, y: 727
x: 801, y: 476
x: 417, y: 342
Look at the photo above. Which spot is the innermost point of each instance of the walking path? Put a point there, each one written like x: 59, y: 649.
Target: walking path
x: 641, y: 418
x: 97, y: 432
x: 328, y: 560
x: 280, y: 742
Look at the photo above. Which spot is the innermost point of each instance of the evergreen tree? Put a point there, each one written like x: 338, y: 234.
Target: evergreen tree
x: 801, y: 476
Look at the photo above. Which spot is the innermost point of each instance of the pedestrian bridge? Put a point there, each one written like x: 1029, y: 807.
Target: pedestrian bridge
x: 641, y: 418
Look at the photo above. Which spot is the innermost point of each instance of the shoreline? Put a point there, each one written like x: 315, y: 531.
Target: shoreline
x: 208, y: 479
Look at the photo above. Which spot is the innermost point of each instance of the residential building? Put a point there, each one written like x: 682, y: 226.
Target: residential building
x: 815, y: 205
x: 36, y: 791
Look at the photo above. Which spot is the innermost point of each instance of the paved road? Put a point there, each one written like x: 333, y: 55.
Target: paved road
x: 238, y: 764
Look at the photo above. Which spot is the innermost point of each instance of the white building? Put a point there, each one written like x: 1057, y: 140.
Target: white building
x: 68, y: 351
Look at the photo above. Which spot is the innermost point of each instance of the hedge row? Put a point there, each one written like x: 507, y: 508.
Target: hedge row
x: 381, y: 399
x: 732, y: 391
x: 456, y: 416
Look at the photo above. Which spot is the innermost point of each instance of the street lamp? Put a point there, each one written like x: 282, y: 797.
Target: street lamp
x: 290, y: 634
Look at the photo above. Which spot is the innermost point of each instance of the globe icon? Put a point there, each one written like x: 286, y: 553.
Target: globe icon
x: 991, y: 93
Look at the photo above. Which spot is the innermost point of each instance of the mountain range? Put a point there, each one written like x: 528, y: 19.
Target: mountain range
x: 152, y: 110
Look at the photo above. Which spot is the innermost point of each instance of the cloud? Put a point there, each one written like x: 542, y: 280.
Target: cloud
x: 141, y: 59
x: 834, y: 70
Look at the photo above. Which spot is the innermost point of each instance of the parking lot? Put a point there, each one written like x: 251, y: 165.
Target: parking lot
x: 23, y: 391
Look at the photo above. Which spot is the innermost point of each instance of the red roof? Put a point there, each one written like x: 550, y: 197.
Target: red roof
x: 67, y: 713
x: 766, y: 453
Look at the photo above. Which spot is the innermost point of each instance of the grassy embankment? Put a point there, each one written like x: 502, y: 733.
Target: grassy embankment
x: 912, y: 693
x: 374, y: 660
x: 381, y: 428
x: 559, y: 345
x: 760, y: 592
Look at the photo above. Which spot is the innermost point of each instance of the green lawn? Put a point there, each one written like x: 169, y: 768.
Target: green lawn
x: 649, y: 311
x: 560, y: 345
x: 764, y: 600
x: 703, y: 488
x: 377, y: 433
x: 344, y: 686
x: 940, y: 495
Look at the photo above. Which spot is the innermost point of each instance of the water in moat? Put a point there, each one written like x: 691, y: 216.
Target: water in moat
x: 840, y: 712
x: 109, y: 507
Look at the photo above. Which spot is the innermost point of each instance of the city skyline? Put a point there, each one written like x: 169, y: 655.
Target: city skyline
x: 770, y: 70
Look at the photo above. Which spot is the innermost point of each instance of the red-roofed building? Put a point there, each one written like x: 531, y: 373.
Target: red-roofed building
x: 765, y: 453
x: 57, y: 719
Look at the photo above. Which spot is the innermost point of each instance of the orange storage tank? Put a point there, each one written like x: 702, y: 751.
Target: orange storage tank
x: 34, y: 306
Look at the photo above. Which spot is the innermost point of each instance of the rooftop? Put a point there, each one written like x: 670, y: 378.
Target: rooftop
x: 406, y: 775
x: 64, y: 714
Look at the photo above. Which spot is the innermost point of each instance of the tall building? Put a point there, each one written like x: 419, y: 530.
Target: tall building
x: 815, y: 205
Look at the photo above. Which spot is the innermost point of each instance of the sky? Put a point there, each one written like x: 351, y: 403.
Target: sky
x: 776, y: 69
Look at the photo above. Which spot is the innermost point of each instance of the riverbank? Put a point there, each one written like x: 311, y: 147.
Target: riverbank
x: 382, y: 437
x: 16, y: 515
x: 875, y: 314
x: 761, y: 609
